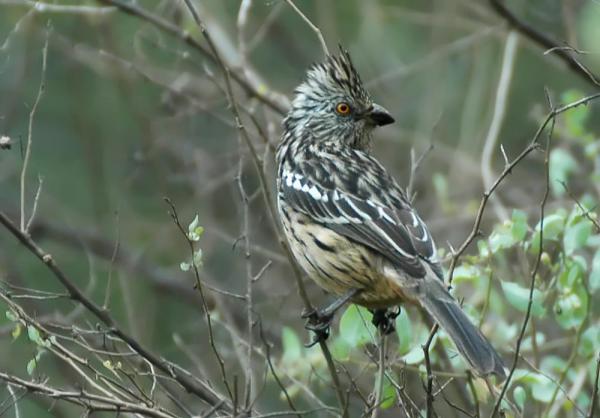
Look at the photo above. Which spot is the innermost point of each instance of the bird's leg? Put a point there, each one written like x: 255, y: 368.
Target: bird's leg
x: 384, y: 319
x: 319, y: 320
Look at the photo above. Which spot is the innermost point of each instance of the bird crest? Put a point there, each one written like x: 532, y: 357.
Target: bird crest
x: 335, y: 76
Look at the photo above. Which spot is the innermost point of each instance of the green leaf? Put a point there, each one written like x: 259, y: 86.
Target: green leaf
x: 11, y: 316
x: 518, y: 297
x: 416, y: 355
x: 519, y: 225
x: 16, y: 332
x: 554, y: 225
x: 194, y: 230
x: 590, y: 341
x: 520, y: 396
x: 356, y: 327
x: 594, y: 280
x: 404, y: 332
x: 543, y: 388
x: 576, y: 236
x: 570, y: 308
x: 575, y: 118
x: 31, y: 364
x: 501, y: 238
x: 340, y: 349
x: 34, y: 335
x: 388, y: 395
x: 561, y: 166
x: 292, y: 347
x: 465, y: 273
x: 184, y: 266
x: 570, y: 276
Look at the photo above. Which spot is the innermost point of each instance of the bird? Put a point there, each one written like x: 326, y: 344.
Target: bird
x: 348, y: 223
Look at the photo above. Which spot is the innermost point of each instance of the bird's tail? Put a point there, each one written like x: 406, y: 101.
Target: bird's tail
x: 469, y: 341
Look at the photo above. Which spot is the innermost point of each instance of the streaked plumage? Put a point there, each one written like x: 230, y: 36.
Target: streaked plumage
x: 348, y: 222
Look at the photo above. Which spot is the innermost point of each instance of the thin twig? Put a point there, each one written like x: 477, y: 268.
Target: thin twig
x: 585, y: 212
x: 429, y: 383
x: 415, y: 163
x: 380, y: 376
x: 207, y: 317
x: 40, y: 93
x: 243, y: 132
x: 594, y: 402
x: 194, y: 386
x: 252, y: 86
x: 533, y: 274
x: 500, y: 104
x: 545, y: 41
x: 41, y: 7
x: 313, y: 27
x: 36, y: 200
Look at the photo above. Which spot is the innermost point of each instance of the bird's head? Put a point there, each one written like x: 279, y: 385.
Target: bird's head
x: 332, y: 104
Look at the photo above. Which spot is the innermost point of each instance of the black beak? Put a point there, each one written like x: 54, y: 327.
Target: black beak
x: 380, y: 116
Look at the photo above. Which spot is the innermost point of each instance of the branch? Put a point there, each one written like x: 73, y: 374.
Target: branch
x: 595, y: 392
x: 244, y: 135
x: 508, y: 64
x: 85, y: 399
x: 193, y: 386
x: 314, y: 28
x: 534, y: 144
x: 30, y: 136
x: 278, y: 102
x: 545, y: 41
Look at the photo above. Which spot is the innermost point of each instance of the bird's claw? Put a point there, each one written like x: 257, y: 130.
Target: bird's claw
x: 384, y: 320
x: 318, y: 323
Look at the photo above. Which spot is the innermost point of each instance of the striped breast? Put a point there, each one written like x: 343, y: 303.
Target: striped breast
x: 338, y: 264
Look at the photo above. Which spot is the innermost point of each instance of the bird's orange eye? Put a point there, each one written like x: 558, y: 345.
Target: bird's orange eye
x: 343, y: 108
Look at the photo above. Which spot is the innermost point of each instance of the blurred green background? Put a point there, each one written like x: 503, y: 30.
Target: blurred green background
x: 130, y: 115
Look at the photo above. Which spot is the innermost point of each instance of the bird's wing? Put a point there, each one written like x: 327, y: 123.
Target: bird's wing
x: 397, y: 233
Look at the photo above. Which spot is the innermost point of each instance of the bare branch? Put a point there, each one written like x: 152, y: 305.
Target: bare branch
x: 192, y: 385
x: 313, y: 27
x: 30, y: 132
x: 545, y: 41
x: 500, y: 104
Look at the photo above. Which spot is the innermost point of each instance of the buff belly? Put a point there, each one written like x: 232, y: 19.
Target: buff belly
x: 339, y: 265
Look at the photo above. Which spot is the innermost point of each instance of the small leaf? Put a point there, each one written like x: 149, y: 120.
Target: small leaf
x: 518, y: 297
x: 519, y: 225
x: 576, y: 236
x: 198, y: 258
x: 594, y: 280
x: 356, y: 327
x: 11, y: 316
x: 570, y: 308
x: 108, y: 365
x: 561, y: 166
x: 194, y: 230
x: 16, y: 332
x: 388, y: 395
x: 404, y: 332
x: 465, y: 273
x: 292, y: 347
x: 590, y: 339
x: 520, y: 396
x: 34, y: 335
x: 553, y: 225
x: 575, y: 118
x: 501, y: 238
x: 184, y: 266
x: 31, y: 366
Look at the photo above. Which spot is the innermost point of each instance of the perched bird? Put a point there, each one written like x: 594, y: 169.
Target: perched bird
x: 349, y: 224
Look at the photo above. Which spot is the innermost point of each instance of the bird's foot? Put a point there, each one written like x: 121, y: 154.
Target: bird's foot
x: 383, y: 319
x: 318, y: 322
